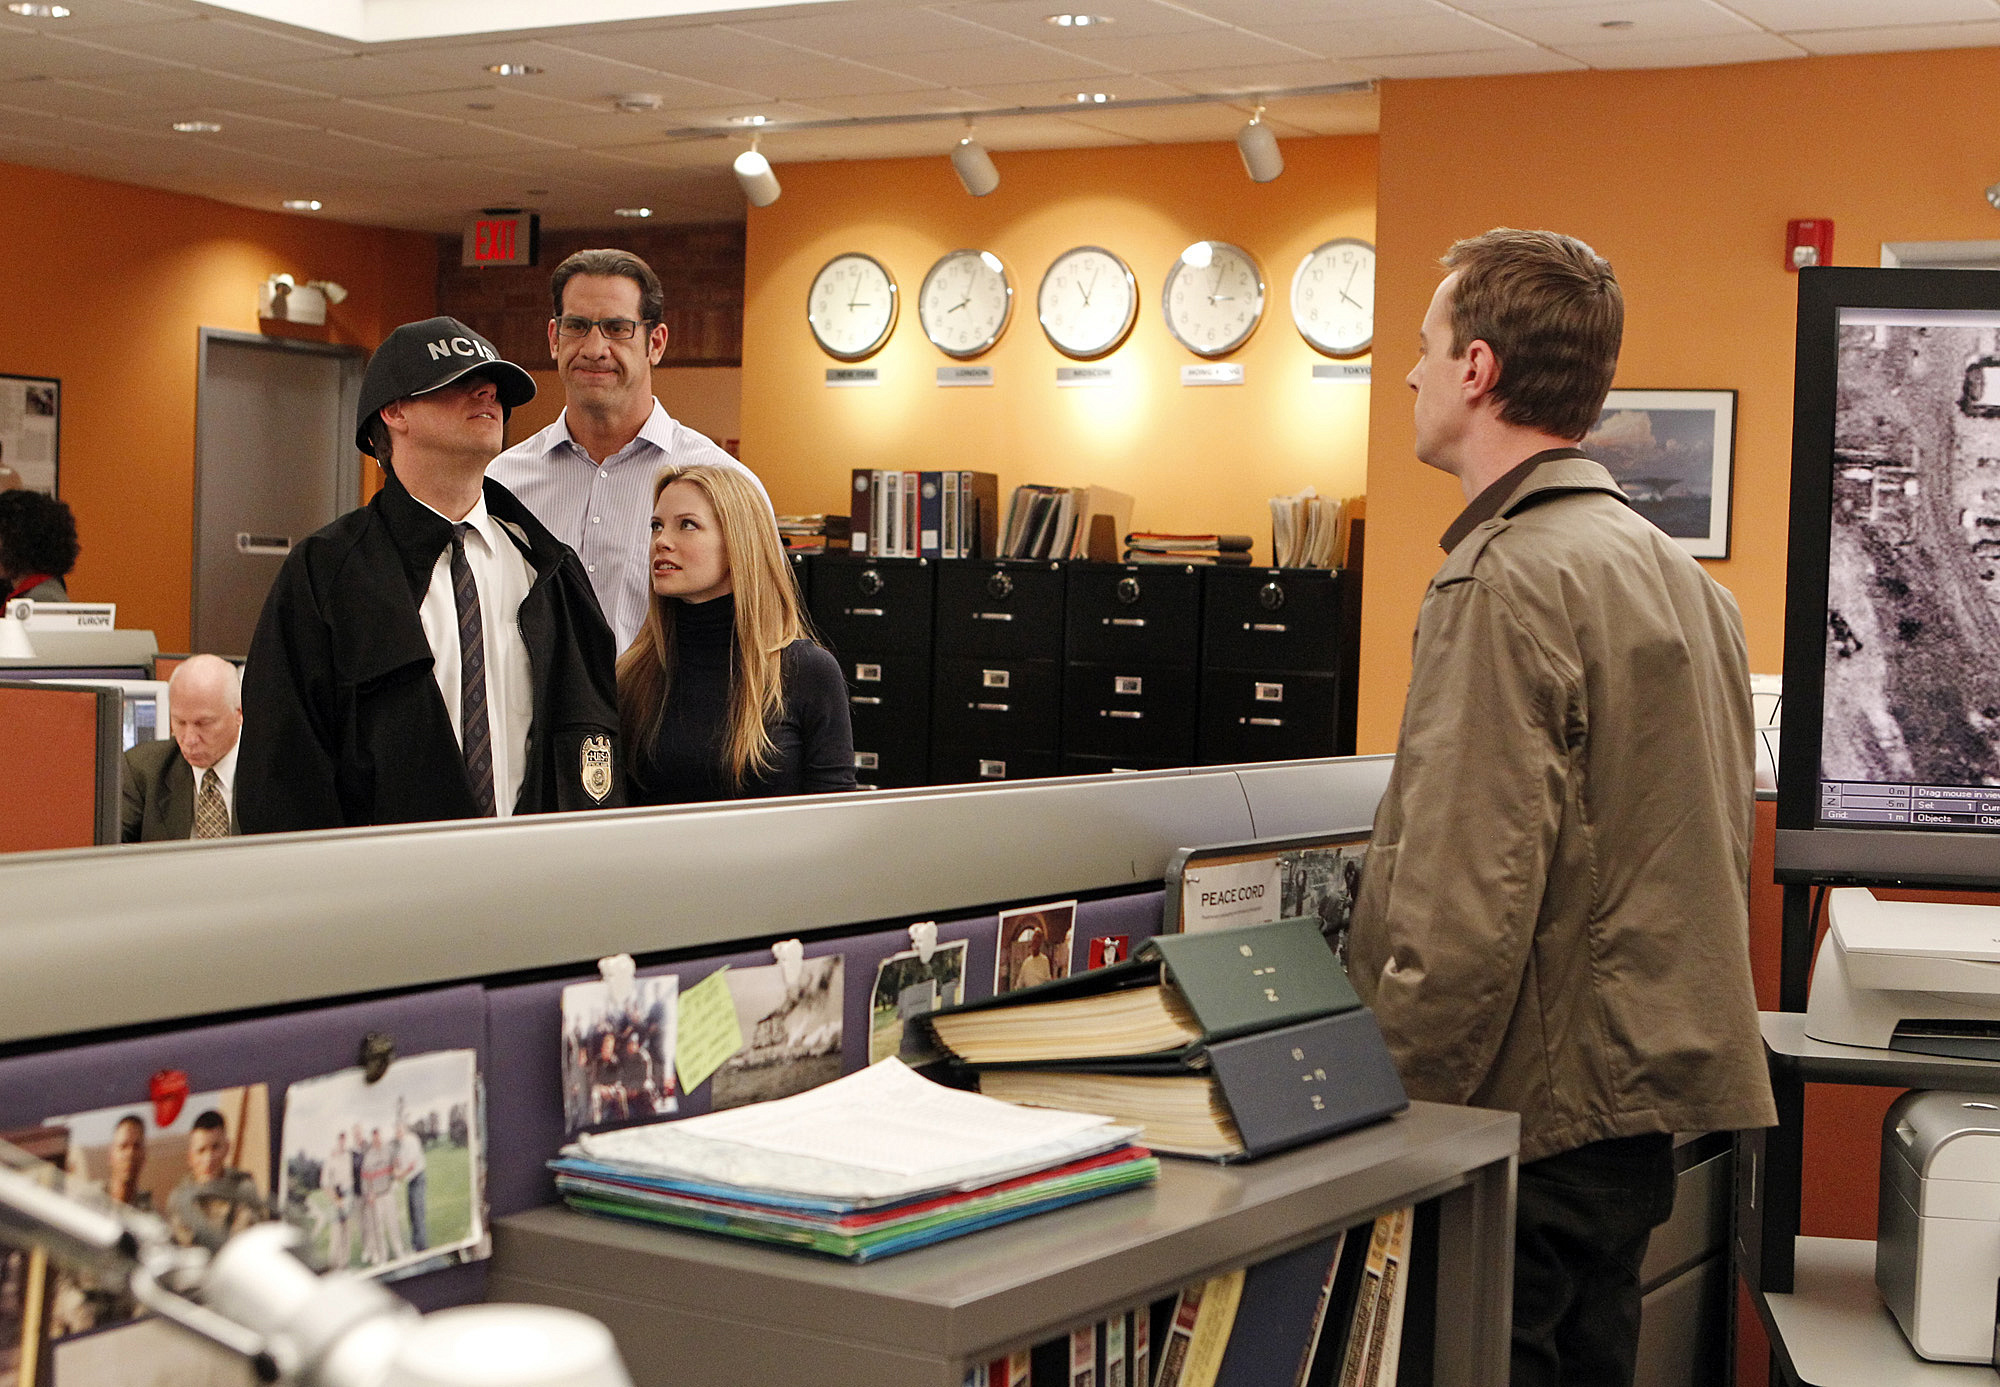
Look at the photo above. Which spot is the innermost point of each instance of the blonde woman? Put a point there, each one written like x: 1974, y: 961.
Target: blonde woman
x: 724, y: 695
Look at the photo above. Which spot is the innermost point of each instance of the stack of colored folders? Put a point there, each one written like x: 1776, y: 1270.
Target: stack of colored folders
x: 880, y: 1162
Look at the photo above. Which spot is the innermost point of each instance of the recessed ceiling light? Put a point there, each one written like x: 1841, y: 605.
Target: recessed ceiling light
x: 749, y: 120
x: 300, y: 204
x: 1095, y: 98
x: 512, y: 70
x: 1077, y: 21
x: 30, y: 11
x: 1616, y: 23
x: 635, y: 103
x: 196, y: 127
x: 632, y: 211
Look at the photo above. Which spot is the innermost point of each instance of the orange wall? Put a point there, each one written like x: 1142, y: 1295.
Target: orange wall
x: 1196, y: 459
x: 105, y: 285
x: 1684, y: 180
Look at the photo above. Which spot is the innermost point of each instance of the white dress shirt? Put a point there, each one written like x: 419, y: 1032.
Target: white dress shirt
x: 606, y: 513
x: 225, y: 775
x: 501, y: 573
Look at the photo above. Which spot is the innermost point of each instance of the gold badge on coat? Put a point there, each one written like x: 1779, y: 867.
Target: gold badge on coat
x: 597, y: 767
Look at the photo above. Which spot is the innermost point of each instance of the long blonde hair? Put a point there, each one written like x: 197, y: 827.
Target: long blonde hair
x: 768, y: 618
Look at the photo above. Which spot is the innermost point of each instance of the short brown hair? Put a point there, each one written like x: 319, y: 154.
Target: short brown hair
x: 1551, y: 310
x: 611, y: 264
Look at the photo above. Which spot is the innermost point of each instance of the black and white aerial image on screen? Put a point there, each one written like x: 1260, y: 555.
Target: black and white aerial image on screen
x: 1913, y: 592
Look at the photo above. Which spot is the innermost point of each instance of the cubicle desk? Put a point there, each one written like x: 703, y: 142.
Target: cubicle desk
x: 696, y: 1311
x: 1816, y: 1296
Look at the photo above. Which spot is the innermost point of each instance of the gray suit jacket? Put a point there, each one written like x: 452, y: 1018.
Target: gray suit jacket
x: 158, y: 788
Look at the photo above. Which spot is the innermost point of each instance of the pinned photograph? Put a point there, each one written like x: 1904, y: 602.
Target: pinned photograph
x: 1034, y: 945
x: 1108, y: 949
x: 388, y: 1178
x: 907, y: 987
x: 1320, y: 883
x: 618, y: 1056
x: 207, y: 1173
x: 791, y: 1019
x: 24, y: 1275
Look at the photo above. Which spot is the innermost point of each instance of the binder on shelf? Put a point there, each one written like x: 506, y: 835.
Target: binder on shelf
x: 1283, y: 1300
x: 979, y: 515
x: 951, y: 543
x: 1199, y: 1331
x: 862, y: 530
x: 930, y: 515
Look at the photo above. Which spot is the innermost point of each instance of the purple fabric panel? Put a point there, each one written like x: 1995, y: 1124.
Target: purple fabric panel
x: 1136, y: 916
x: 524, y: 1115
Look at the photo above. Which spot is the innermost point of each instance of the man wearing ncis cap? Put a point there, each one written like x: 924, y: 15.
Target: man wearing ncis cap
x: 436, y: 654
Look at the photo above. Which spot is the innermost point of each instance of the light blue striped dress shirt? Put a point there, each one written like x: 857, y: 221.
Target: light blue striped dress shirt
x: 605, y: 513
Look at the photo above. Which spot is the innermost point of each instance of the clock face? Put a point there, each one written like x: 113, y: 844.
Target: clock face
x: 1088, y: 302
x: 965, y: 302
x: 1333, y: 297
x: 1214, y: 298
x: 852, y: 306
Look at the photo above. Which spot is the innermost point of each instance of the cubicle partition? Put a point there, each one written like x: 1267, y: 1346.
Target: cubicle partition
x: 59, y: 753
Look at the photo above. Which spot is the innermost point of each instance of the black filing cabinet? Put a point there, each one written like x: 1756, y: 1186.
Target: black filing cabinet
x: 1131, y: 676
x: 1276, y: 664
x: 875, y: 615
x: 996, y: 707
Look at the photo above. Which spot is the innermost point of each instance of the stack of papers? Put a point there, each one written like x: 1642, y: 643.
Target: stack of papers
x: 879, y: 1162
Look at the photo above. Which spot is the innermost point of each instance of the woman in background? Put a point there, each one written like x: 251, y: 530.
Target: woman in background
x: 37, y: 546
x: 724, y: 695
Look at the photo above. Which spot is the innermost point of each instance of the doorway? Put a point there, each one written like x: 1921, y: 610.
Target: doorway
x: 274, y: 461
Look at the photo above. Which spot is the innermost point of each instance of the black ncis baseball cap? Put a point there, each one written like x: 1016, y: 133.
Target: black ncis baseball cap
x: 418, y: 358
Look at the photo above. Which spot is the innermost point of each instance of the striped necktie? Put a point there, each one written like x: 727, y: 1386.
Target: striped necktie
x: 211, y: 815
x: 474, y: 736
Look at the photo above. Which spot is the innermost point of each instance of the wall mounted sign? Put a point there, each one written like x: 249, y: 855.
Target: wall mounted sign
x: 1069, y: 376
x: 1353, y: 372
x: 502, y: 238
x: 851, y: 376
x: 31, y: 430
x: 1213, y: 373
x: 964, y: 375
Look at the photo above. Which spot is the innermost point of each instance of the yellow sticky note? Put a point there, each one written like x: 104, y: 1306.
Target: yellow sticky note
x: 709, y: 1032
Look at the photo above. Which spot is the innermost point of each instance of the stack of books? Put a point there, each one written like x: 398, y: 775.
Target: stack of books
x: 877, y: 1163
x: 1152, y: 546
x: 1226, y: 1044
x: 924, y: 515
x: 1312, y: 531
x: 812, y: 534
x: 1065, y: 522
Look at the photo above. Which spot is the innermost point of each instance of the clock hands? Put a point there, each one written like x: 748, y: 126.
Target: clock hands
x: 1352, y: 270
x: 1086, y: 288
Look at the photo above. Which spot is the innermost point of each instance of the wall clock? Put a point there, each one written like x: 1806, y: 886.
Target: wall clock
x: 1088, y: 302
x: 852, y: 306
x: 1333, y: 297
x: 1214, y: 298
x: 965, y: 302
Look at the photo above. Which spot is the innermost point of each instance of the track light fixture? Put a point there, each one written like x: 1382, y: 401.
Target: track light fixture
x: 753, y: 172
x: 974, y: 166
x: 1993, y: 195
x: 1262, y: 159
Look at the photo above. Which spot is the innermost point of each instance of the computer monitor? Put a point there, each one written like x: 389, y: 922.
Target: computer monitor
x: 1889, y: 765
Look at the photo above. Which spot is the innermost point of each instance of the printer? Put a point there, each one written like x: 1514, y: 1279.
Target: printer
x: 1899, y: 975
x: 1937, y: 1249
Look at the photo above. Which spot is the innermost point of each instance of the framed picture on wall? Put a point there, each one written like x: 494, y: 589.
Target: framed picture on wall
x: 30, y: 432
x: 1673, y: 451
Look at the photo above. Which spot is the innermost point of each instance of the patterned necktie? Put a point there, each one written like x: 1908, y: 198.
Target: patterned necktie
x: 211, y: 815
x: 474, y: 736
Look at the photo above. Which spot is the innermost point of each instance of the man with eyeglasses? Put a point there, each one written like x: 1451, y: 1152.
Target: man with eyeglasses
x: 589, y: 476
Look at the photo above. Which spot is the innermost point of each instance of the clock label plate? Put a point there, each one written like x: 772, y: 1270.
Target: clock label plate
x: 848, y: 377
x: 1353, y: 372
x: 1213, y: 373
x: 964, y: 375
x: 1071, y: 376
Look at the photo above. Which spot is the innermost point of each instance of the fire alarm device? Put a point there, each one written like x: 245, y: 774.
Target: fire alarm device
x: 1808, y: 242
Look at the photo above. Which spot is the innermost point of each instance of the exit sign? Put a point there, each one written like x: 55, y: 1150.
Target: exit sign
x: 496, y: 238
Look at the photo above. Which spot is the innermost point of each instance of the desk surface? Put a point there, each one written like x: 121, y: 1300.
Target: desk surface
x: 1836, y: 1330
x: 999, y: 1289
x: 1822, y: 1061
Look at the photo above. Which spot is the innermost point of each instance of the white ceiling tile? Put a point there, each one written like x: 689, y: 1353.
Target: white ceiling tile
x: 1489, y: 63
x: 868, y: 35
x: 211, y: 42
x: 1265, y: 77
x: 1396, y: 38
x: 1259, y: 15
x: 1860, y: 14
x: 111, y: 14
x: 725, y: 118
x: 448, y: 137
x: 1217, y: 47
x: 1349, y: 113
x: 1649, y: 21
x: 32, y: 55
x: 475, y: 103
x: 1130, y: 19
x: 1058, y: 93
x: 1017, y: 61
x: 190, y: 86
x: 809, y: 78
x: 370, y: 75
x: 926, y: 101
x: 1898, y: 38
x: 1746, y: 48
x: 1173, y: 124
x: 703, y: 51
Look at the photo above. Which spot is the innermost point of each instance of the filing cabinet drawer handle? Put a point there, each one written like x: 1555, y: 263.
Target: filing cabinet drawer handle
x: 992, y: 616
x: 864, y: 699
x: 1263, y: 722
x: 988, y: 707
x: 866, y: 611
x: 1124, y: 621
x: 1132, y: 713
x: 1278, y: 627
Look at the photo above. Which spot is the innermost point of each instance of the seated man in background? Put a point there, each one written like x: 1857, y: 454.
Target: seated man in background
x: 406, y: 650
x: 161, y: 798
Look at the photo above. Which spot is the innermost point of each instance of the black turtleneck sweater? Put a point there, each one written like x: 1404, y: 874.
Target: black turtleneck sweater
x: 814, y: 740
